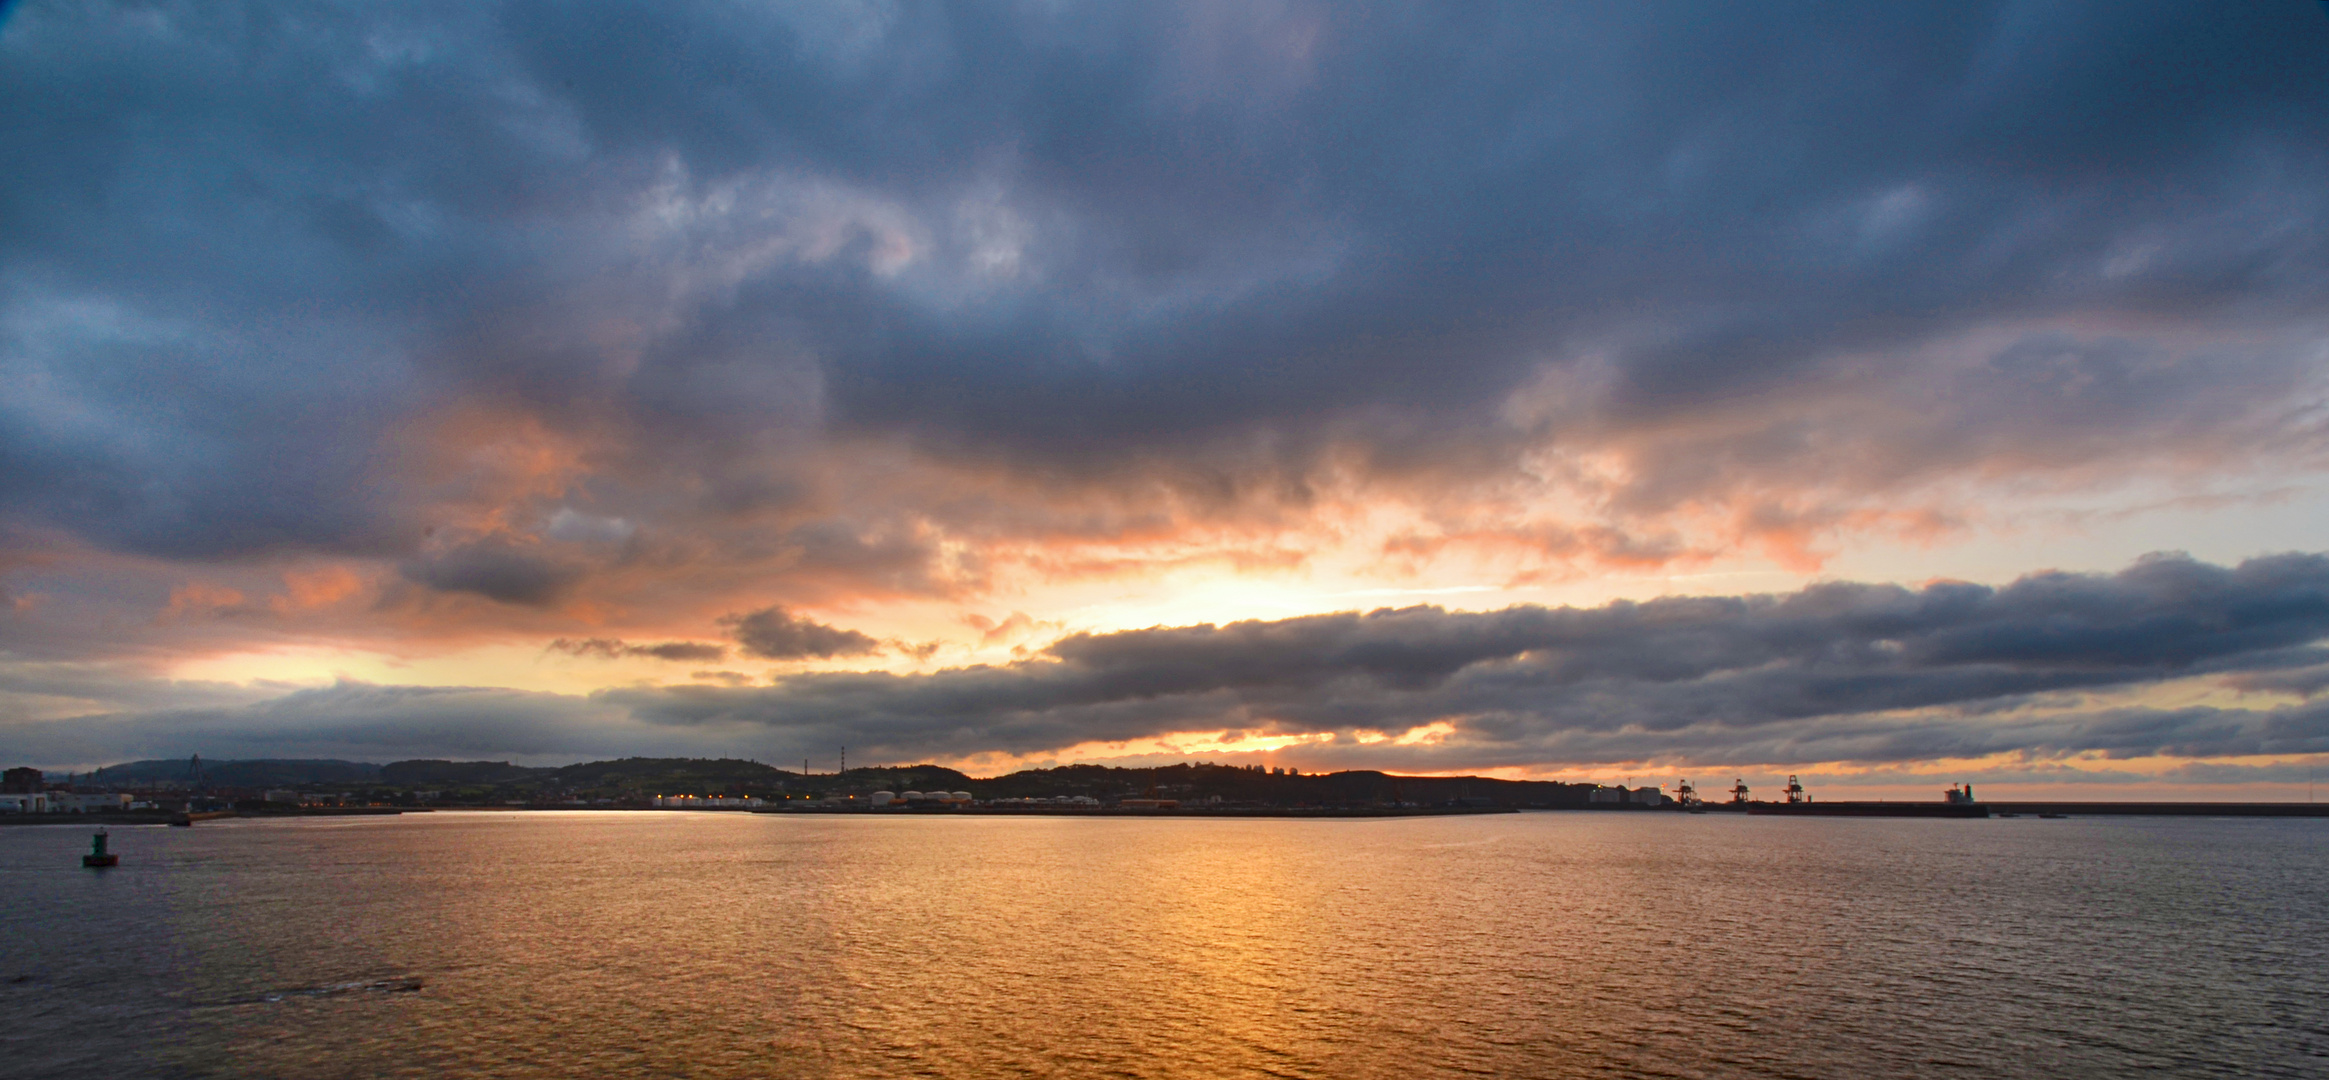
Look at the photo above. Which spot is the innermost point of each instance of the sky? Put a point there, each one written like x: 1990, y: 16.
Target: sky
x: 1891, y: 394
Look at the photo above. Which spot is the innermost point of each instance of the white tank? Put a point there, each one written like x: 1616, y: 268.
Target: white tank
x: 883, y: 798
x: 959, y: 796
x: 913, y: 795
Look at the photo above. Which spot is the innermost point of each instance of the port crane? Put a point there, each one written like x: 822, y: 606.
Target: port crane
x: 1739, y: 792
x: 1795, y: 790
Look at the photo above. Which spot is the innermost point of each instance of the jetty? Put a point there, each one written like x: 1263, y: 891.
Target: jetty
x: 2164, y: 809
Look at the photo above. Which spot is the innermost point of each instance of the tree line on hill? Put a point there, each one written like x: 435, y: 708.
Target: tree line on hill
x: 634, y: 779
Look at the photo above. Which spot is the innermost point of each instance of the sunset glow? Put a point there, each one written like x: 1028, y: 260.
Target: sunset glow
x: 1311, y: 385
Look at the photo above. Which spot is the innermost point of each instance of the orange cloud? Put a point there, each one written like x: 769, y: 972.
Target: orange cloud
x: 321, y: 587
x: 201, y: 598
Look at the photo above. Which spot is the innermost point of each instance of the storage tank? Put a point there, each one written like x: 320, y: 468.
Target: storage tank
x: 912, y: 795
x: 958, y: 796
x: 883, y: 798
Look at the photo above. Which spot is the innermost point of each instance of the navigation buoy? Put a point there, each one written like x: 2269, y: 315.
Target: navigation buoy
x: 98, y: 856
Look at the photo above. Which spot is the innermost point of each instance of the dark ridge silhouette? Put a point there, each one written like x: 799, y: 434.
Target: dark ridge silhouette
x: 628, y: 779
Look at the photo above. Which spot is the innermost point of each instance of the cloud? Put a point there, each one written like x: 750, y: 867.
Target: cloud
x: 2163, y: 615
x: 350, y: 720
x: 1834, y: 672
x: 1769, y: 260
x: 43, y: 690
x: 1018, y: 625
x: 1837, y: 672
x: 2302, y: 682
x: 616, y: 648
x: 775, y: 634
x: 496, y: 571
x: 534, y: 321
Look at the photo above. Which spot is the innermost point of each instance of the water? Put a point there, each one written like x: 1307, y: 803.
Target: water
x: 726, y: 945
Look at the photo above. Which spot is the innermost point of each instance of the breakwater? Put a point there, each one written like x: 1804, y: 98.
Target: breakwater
x: 2166, y: 809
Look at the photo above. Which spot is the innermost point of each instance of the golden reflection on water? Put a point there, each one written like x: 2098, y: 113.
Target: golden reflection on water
x: 718, y: 945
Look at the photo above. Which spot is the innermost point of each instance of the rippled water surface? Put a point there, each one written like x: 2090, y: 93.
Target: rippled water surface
x: 728, y: 945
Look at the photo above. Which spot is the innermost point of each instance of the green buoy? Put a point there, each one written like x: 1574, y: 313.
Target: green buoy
x: 98, y: 856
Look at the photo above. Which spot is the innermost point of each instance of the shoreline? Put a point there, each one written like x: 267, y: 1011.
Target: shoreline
x: 1150, y: 812
x: 1839, y: 810
x: 181, y: 818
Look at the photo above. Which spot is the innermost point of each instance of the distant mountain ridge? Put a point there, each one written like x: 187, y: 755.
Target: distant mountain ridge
x: 626, y: 779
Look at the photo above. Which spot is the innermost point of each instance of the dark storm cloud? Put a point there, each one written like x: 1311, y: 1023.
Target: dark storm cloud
x: 1839, y: 672
x: 2298, y: 679
x: 776, y: 634
x: 244, y: 248
x: 616, y: 648
x: 1821, y: 674
x: 494, y: 570
x: 351, y: 720
x: 1862, y: 646
x: 37, y: 688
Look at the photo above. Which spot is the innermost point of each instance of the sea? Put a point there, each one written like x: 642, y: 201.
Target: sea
x: 704, y: 944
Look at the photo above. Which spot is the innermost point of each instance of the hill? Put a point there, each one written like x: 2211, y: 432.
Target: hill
x: 1237, y: 784
x: 628, y: 780
x: 898, y: 778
